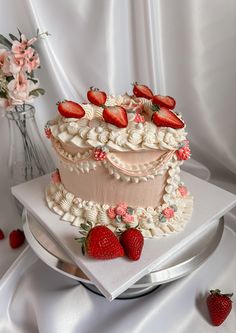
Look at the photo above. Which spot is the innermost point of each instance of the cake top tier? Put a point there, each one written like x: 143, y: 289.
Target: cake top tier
x: 123, y: 123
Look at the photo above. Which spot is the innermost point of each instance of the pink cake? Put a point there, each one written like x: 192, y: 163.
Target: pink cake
x: 120, y: 177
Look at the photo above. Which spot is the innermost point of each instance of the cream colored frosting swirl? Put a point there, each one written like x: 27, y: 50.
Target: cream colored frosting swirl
x: 93, y: 131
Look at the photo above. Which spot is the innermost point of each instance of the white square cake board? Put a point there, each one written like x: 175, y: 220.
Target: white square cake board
x: 112, y: 277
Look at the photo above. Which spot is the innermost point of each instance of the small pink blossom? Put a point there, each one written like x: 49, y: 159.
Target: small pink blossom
x: 120, y: 210
x: 168, y: 212
x: 111, y: 212
x: 127, y: 218
x: 4, y: 62
x: 56, y: 178
x: 19, y: 89
x: 183, y: 190
x: 184, y: 153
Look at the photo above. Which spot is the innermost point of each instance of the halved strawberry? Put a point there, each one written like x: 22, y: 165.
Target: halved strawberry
x: 165, y: 101
x: 141, y: 90
x: 70, y: 109
x: 166, y: 118
x: 96, y: 97
x: 116, y: 115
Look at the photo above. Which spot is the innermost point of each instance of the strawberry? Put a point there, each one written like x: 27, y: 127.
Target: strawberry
x: 100, y: 242
x: 2, y: 236
x: 166, y: 118
x: 132, y: 242
x: 140, y: 90
x: 219, y: 306
x: 116, y: 115
x: 16, y: 238
x: 96, y: 97
x: 70, y: 109
x: 165, y: 101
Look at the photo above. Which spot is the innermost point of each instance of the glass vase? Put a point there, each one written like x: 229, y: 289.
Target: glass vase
x: 28, y: 156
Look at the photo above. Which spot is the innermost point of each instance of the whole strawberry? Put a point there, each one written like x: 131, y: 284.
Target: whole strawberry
x: 16, y: 238
x: 132, y: 242
x: 2, y: 236
x: 219, y: 306
x: 100, y: 242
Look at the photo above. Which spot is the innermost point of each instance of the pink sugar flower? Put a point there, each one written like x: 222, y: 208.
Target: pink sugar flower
x: 168, y: 212
x: 184, y: 152
x: 120, y: 210
x: 183, y: 190
x: 127, y: 218
x: 111, y: 212
x: 56, y: 178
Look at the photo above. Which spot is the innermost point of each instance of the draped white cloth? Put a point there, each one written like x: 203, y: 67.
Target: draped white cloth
x: 184, y: 48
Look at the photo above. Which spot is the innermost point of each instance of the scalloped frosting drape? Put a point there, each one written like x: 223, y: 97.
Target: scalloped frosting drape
x: 185, y: 49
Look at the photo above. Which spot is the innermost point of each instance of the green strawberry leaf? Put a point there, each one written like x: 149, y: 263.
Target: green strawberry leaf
x: 4, y: 41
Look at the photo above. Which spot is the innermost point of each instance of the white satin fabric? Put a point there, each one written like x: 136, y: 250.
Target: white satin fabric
x: 183, y: 48
x: 34, y: 298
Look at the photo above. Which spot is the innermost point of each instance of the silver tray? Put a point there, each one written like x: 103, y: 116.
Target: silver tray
x: 182, y: 264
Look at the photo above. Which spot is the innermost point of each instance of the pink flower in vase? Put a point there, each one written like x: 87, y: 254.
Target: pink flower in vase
x: 19, y: 89
x: 127, y: 218
x: 184, y: 153
x: 56, y: 178
x: 168, y: 212
x: 111, y: 212
x: 183, y: 190
x: 4, y: 62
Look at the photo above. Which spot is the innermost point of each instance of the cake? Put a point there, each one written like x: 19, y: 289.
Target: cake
x: 119, y: 161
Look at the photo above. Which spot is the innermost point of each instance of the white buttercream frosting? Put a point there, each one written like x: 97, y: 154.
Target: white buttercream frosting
x: 92, y: 130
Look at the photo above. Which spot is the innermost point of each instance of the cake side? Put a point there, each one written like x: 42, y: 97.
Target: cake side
x: 120, y: 177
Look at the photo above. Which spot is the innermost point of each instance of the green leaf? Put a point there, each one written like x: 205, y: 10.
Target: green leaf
x: 130, y: 210
x: 13, y: 37
x: 85, y: 227
x: 33, y: 80
x: 118, y: 218
x: 37, y: 92
x: 174, y: 207
x: 20, y: 33
x: 162, y: 218
x: 3, y: 94
x: 4, y: 41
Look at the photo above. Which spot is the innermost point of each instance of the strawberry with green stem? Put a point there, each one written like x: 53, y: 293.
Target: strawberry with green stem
x: 99, y: 242
x: 97, y: 97
x: 219, y: 306
x: 140, y: 90
x: 70, y: 109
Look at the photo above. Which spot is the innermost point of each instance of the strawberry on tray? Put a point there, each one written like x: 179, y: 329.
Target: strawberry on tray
x: 219, y: 306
